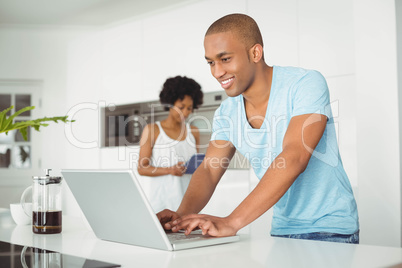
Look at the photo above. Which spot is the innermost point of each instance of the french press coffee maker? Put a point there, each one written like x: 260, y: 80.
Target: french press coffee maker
x: 46, y: 204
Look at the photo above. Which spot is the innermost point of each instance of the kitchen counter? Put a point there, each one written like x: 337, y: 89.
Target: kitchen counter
x: 256, y: 248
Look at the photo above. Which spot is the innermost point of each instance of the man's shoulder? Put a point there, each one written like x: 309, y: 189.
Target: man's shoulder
x: 297, y: 73
x: 294, y: 77
x: 229, y: 105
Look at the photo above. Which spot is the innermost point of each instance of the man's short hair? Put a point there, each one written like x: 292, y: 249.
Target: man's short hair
x: 241, y: 25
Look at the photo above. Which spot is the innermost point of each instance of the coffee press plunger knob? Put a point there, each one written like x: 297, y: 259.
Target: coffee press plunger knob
x: 47, y: 170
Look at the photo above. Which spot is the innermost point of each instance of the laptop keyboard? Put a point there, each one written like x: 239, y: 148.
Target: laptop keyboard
x: 174, y: 237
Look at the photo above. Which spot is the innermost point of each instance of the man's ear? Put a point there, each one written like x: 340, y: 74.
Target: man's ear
x: 256, y: 52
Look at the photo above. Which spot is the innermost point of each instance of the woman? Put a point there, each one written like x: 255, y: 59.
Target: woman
x: 168, y: 144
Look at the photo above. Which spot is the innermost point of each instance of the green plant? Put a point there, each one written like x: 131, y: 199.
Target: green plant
x: 6, y: 123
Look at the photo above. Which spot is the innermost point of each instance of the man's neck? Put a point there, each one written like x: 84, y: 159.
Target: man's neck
x: 258, y: 94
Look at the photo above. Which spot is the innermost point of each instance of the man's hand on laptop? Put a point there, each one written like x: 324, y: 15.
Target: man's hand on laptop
x: 210, y: 225
x: 165, y: 217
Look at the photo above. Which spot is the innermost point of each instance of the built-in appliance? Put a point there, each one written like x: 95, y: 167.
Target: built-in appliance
x: 122, y: 125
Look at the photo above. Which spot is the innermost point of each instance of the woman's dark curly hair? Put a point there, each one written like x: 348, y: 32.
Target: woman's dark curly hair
x: 175, y: 88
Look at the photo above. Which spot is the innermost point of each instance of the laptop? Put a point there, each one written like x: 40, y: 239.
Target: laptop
x: 117, y: 210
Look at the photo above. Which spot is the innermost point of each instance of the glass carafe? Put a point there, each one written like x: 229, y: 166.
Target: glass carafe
x: 46, y: 204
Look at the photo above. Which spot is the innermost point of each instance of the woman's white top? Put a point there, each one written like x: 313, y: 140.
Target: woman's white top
x: 167, y: 191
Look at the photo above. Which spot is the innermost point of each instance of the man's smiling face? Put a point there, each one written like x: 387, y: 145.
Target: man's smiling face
x: 230, y: 62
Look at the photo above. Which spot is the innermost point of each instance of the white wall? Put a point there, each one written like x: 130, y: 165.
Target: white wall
x: 37, y: 54
x: 351, y: 42
x: 377, y: 122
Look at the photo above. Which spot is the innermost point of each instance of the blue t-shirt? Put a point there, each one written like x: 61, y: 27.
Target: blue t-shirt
x: 321, y: 198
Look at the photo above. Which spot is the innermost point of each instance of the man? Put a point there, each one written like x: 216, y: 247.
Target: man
x: 280, y: 119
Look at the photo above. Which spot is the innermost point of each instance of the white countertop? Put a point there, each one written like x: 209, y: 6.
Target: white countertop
x: 256, y: 248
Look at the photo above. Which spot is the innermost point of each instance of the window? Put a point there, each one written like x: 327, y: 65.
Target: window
x: 15, y: 152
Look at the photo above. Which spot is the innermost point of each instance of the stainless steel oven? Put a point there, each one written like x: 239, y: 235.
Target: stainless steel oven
x: 121, y: 125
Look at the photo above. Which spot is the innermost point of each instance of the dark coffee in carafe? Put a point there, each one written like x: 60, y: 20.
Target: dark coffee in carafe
x: 48, y: 222
x: 46, y: 204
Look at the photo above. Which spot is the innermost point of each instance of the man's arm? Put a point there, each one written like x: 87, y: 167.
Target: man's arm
x: 203, y: 182
x: 302, y: 136
x: 206, y: 177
